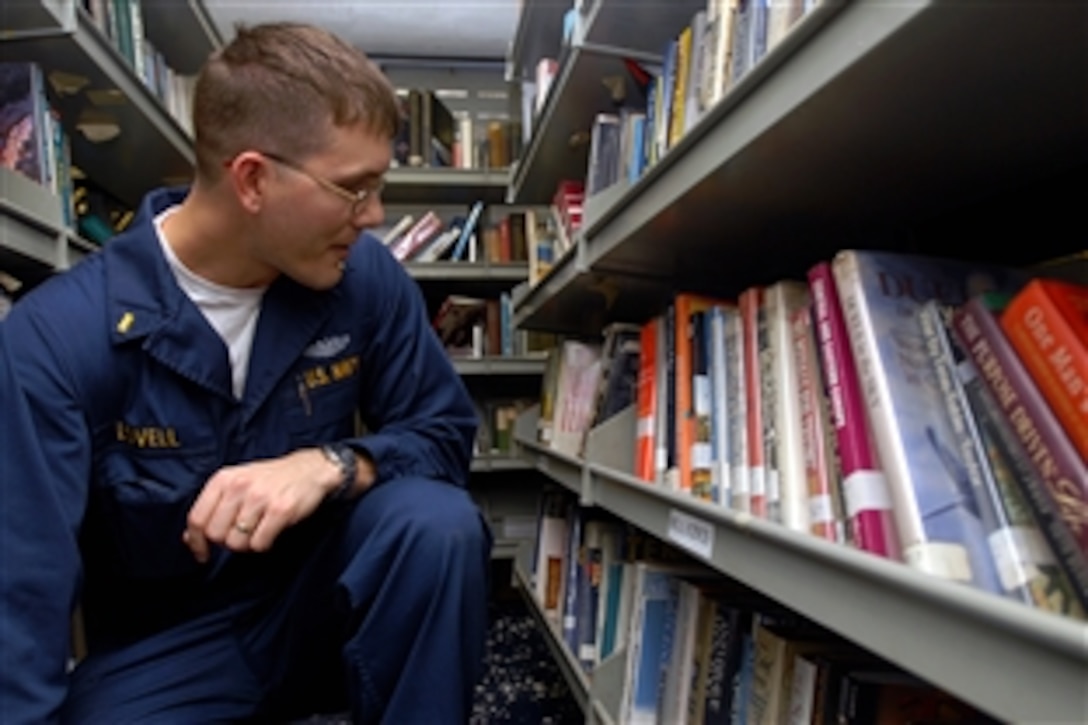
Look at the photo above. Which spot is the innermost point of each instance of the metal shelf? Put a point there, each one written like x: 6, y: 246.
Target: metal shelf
x: 642, y: 25
x: 152, y: 148
x: 182, y: 30
x: 957, y: 637
x: 497, y: 463
x: 539, y: 34
x: 868, y: 118
x: 409, y: 185
x: 34, y: 242
x: 500, y: 366
x: 574, y: 300
x: 572, y: 672
x: 559, y: 147
x: 468, y: 272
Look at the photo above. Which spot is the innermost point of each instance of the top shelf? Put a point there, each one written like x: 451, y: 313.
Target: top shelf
x: 182, y: 30
x: 152, y: 148
x: 868, y: 117
x: 539, y: 34
x: 614, y: 31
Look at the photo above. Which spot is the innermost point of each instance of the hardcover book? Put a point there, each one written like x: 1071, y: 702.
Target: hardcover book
x: 937, y: 516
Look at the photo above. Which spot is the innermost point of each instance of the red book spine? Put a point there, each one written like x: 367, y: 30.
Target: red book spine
x: 870, y: 516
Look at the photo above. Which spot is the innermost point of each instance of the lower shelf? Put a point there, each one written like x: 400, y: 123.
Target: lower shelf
x: 958, y: 638
x: 576, y: 678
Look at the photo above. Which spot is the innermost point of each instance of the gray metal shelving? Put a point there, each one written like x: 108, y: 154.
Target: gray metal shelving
x: 575, y: 677
x: 612, y: 31
x: 868, y: 116
x: 1019, y: 664
x: 495, y: 463
x: 409, y: 185
x: 439, y: 280
x: 539, y: 34
x: 153, y: 148
x: 500, y: 366
x: 34, y: 241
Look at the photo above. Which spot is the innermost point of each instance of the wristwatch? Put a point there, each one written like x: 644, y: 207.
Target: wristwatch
x: 342, y: 455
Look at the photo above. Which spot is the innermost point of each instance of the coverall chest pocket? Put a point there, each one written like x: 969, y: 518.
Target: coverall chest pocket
x: 322, y: 410
x: 143, y: 499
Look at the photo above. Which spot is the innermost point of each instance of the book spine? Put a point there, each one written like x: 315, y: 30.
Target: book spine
x: 783, y: 300
x: 865, y: 488
x: 1024, y: 561
x: 821, y: 517
x: 749, y: 302
x: 647, y: 401
x: 737, y: 413
x: 719, y: 415
x: 1059, y: 491
x: 1054, y: 354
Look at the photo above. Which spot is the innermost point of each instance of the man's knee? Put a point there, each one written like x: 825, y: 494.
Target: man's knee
x: 429, y: 521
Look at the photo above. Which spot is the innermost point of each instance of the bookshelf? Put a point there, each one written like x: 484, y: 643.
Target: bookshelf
x: 34, y: 241
x: 410, y: 185
x: 855, y: 124
x: 893, y: 125
x: 896, y: 613
x: 152, y: 149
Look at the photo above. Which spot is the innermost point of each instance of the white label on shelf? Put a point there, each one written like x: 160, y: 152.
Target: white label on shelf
x: 690, y: 533
x: 940, y: 558
x: 820, y: 510
x: 587, y: 652
x: 1018, y: 552
x: 866, y: 491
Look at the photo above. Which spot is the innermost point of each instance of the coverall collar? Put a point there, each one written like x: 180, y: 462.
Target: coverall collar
x: 145, y: 303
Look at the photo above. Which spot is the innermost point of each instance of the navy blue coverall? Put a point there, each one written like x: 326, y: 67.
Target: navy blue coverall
x: 117, y: 407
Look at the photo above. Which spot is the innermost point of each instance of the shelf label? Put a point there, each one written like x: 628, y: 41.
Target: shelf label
x: 692, y: 534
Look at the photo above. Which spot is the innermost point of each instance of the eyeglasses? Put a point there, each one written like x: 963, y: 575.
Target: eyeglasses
x: 356, y: 198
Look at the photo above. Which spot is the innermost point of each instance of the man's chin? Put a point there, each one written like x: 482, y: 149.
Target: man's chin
x: 322, y: 279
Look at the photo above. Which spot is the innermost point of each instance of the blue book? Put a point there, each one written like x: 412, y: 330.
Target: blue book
x: 659, y: 598
x: 936, y: 514
x: 460, y: 249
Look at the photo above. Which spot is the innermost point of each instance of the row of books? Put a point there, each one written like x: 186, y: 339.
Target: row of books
x: 122, y: 23
x: 32, y: 140
x: 721, y: 44
x: 552, y: 229
x: 428, y: 238
x: 889, y: 402
x: 696, y: 648
x: 477, y: 327
x: 431, y: 135
x: 585, y: 384
x: 495, y: 434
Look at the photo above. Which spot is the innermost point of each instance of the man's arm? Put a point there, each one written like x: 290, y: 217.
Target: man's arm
x: 415, y: 405
x: 44, y: 469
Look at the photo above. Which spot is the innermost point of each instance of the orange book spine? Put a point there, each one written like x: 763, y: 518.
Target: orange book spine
x: 1047, y: 326
x: 748, y: 303
x: 647, y: 401
x: 686, y: 305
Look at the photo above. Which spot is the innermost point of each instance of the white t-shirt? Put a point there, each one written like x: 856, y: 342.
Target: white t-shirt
x: 231, y: 311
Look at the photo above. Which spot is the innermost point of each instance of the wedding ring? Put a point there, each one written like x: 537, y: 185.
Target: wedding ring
x: 241, y: 528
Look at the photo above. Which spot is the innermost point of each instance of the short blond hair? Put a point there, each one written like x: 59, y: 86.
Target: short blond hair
x: 281, y: 87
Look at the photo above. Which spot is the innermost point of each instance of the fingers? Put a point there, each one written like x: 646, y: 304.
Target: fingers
x: 226, y: 512
x: 195, y: 536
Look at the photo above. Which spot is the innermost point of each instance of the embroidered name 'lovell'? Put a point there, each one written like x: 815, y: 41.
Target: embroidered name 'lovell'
x: 328, y: 347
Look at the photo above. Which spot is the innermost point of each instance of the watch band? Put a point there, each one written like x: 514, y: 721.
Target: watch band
x: 343, y: 456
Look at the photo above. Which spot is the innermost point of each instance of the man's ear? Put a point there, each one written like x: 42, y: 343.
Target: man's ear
x: 248, y: 175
